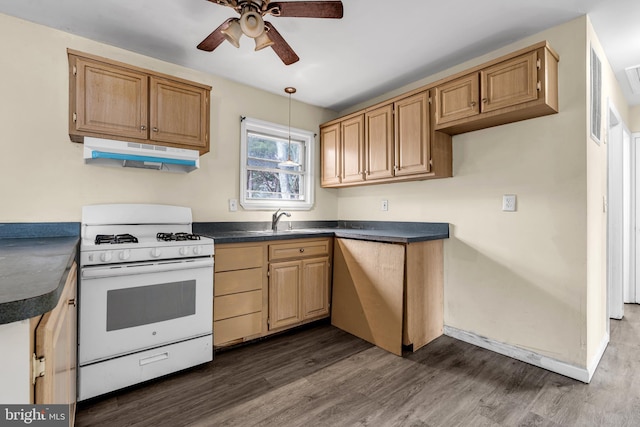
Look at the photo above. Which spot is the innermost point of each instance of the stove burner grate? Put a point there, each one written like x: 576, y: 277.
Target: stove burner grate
x: 177, y: 236
x: 117, y: 238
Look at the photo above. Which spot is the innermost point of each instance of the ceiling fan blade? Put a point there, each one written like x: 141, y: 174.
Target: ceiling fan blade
x: 280, y: 46
x: 214, y: 39
x: 230, y: 3
x: 306, y: 9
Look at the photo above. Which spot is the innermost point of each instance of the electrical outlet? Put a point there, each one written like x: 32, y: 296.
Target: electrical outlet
x: 384, y: 206
x: 233, y: 205
x: 509, y: 203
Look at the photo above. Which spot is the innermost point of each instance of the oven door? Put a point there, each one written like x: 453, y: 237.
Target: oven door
x: 131, y: 307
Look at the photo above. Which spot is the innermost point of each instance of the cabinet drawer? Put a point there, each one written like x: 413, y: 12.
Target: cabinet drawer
x: 231, y: 282
x: 300, y: 249
x: 237, y: 304
x: 238, y: 258
x: 236, y: 328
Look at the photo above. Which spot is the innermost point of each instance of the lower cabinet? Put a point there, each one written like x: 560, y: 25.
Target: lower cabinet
x: 239, y: 292
x: 389, y: 294
x: 298, y: 291
x: 299, y: 282
x: 56, y: 349
x: 266, y: 287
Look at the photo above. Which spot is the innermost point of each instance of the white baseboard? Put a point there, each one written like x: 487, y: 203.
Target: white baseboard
x: 598, y: 356
x: 548, y: 363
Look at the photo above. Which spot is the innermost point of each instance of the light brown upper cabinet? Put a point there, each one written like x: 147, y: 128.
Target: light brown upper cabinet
x: 409, y: 137
x: 330, y: 155
x: 412, y: 135
x: 178, y: 114
x: 388, y: 142
x: 458, y: 99
x: 520, y: 86
x: 112, y: 100
x: 352, y: 149
x: 379, y: 149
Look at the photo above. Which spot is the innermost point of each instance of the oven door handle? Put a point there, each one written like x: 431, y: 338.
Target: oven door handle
x: 145, y: 268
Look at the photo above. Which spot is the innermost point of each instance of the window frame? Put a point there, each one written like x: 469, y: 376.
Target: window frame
x: 277, y: 131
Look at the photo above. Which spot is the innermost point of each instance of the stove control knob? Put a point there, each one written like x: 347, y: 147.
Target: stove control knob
x: 124, y: 255
x: 155, y: 252
x: 184, y: 250
x: 197, y: 250
x: 105, y: 256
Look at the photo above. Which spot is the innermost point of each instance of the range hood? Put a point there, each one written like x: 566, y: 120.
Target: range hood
x: 109, y: 152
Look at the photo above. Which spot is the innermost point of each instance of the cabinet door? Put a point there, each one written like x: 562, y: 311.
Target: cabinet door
x: 457, y: 99
x: 56, y: 341
x: 284, y: 294
x: 379, y: 143
x: 412, y: 133
x: 352, y: 137
x: 315, y: 288
x: 178, y: 114
x: 330, y: 161
x: 110, y: 100
x: 511, y: 82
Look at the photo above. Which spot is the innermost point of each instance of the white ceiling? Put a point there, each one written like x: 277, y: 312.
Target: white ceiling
x: 378, y: 45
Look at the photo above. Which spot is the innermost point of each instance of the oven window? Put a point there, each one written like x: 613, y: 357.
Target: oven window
x: 130, y: 307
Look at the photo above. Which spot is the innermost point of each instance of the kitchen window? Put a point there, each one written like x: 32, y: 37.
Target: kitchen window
x: 266, y: 180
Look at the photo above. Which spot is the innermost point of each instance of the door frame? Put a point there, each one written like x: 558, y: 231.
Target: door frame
x: 620, y: 214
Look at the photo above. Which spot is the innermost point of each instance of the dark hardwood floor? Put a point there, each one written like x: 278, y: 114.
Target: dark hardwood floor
x: 322, y: 376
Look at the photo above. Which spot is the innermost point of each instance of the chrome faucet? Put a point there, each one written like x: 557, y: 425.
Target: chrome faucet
x: 276, y: 217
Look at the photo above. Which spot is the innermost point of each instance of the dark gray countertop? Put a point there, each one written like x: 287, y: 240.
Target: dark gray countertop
x: 390, y: 232
x: 33, y: 272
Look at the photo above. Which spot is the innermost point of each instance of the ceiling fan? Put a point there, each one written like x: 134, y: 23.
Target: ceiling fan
x: 252, y: 24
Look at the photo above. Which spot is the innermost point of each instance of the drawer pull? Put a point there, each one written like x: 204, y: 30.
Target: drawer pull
x: 301, y: 250
x: 153, y: 359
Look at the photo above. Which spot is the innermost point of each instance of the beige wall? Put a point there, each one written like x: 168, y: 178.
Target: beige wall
x: 518, y: 278
x: 43, y: 175
x: 634, y: 119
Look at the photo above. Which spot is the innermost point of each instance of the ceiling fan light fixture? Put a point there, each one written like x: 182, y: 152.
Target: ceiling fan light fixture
x: 263, y: 41
x: 233, y: 33
x: 252, y: 24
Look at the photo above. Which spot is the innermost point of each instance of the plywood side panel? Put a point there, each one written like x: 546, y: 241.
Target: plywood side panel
x: 424, y: 316
x: 367, y: 291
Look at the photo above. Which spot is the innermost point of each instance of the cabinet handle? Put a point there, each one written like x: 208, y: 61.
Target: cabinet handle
x: 485, y: 100
x: 155, y: 129
x: 301, y: 250
x: 143, y: 127
x: 473, y: 103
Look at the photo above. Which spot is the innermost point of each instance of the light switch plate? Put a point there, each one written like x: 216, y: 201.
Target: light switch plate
x: 233, y: 205
x: 509, y: 203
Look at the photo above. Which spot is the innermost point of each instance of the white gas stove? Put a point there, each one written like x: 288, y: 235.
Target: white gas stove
x: 145, y: 295
x: 119, y: 233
